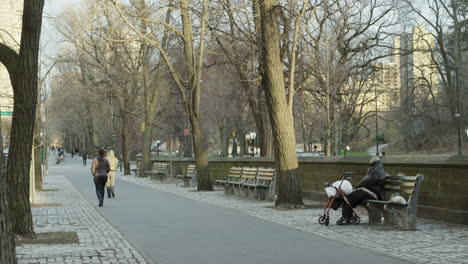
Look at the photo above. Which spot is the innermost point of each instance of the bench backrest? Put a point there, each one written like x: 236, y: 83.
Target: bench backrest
x: 155, y: 166
x: 248, y: 175
x: 234, y: 173
x: 190, y: 169
x: 406, y: 186
x: 162, y: 166
x: 265, y: 175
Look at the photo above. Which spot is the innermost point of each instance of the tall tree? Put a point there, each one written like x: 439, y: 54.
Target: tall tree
x: 152, y: 89
x: 7, y: 241
x: 23, y: 70
x: 188, y: 79
x: 284, y: 138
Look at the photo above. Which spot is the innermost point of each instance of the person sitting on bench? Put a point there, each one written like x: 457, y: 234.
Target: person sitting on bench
x: 370, y: 187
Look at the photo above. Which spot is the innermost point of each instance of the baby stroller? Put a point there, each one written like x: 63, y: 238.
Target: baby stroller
x: 338, y: 189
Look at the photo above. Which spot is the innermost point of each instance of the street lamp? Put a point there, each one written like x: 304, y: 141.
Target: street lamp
x: 157, y: 147
x: 234, y: 144
x: 376, y: 70
x: 251, y: 141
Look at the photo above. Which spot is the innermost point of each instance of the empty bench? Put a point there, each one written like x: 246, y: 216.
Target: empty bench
x: 232, y: 177
x: 189, y: 174
x: 258, y: 186
x: 396, y: 213
x: 159, y: 171
x: 248, y: 182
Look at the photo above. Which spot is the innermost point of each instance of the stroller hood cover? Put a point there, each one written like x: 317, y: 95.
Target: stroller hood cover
x: 345, y: 186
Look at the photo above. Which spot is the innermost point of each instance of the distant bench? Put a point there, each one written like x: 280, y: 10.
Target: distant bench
x: 248, y: 182
x: 406, y: 186
x: 159, y: 171
x: 189, y: 174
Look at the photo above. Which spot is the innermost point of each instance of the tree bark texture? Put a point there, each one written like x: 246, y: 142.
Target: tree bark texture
x: 7, y: 240
x: 125, y: 151
x: 37, y: 149
x: 201, y: 156
x: 152, y: 94
x: 23, y: 71
x: 287, y: 180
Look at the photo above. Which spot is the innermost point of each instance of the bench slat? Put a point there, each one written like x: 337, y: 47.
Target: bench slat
x: 404, y: 184
x: 402, y: 178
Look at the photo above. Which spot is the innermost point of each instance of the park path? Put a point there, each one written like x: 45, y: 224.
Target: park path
x: 170, y: 229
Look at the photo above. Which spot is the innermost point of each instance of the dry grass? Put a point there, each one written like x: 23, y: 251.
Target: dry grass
x: 49, y: 190
x: 45, y: 205
x: 50, y: 238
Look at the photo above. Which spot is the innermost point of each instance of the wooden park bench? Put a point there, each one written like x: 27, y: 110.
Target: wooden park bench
x: 259, y: 186
x: 159, y: 171
x: 233, y: 176
x: 248, y: 175
x: 189, y: 174
x: 406, y: 186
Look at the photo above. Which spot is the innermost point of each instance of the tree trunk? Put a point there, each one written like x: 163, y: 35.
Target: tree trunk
x: 37, y: 148
x: 201, y: 156
x: 152, y: 93
x: 23, y: 70
x: 37, y: 164
x: 7, y: 241
x: 288, y: 183
x: 125, y: 151
x: 266, y: 136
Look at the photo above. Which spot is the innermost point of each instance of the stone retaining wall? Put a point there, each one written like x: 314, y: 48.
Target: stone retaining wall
x: 444, y: 191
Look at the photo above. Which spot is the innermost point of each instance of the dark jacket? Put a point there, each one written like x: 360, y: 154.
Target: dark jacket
x: 100, y: 166
x: 374, y: 180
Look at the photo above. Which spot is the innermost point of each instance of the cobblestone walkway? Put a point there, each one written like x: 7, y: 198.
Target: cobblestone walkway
x: 433, y: 242
x: 99, y: 241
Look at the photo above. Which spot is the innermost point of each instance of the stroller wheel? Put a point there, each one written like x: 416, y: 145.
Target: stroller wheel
x: 355, y: 220
x: 322, y: 219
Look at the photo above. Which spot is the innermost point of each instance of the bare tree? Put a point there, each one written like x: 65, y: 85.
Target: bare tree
x: 288, y: 180
x: 23, y: 70
x: 189, y: 86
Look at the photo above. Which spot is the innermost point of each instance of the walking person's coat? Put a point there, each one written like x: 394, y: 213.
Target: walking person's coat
x: 113, y: 162
x: 100, y: 170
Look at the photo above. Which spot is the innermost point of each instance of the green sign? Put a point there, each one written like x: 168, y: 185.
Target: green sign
x: 6, y: 113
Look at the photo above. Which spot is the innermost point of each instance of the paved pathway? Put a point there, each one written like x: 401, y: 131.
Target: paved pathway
x: 170, y: 224
x: 99, y: 242
x: 433, y: 243
x: 167, y: 228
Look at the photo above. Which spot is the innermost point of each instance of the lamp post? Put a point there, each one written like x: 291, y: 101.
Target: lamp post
x: 251, y: 141
x: 457, y: 114
x: 234, y: 144
x: 376, y: 70
x: 157, y: 147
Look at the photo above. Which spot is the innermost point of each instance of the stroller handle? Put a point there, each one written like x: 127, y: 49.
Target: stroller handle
x: 347, y: 175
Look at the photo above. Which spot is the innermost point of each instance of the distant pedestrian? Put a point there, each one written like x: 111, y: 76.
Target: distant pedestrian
x: 100, y: 169
x: 113, y: 161
x: 77, y: 151
x: 53, y: 149
x: 72, y: 152
x: 85, y: 157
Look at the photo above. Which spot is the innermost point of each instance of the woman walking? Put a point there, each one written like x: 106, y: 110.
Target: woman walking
x: 113, y: 161
x: 100, y: 169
